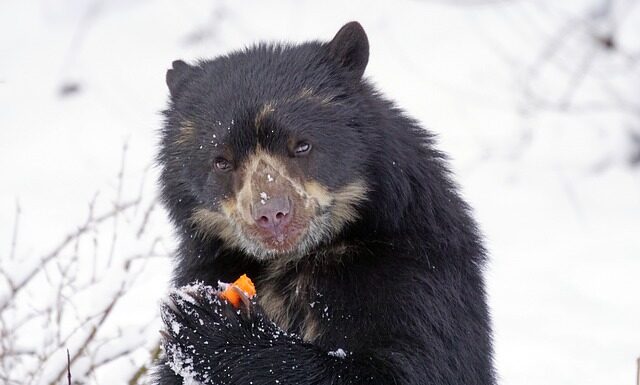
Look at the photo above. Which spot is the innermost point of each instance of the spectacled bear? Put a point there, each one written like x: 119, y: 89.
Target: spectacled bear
x: 282, y: 162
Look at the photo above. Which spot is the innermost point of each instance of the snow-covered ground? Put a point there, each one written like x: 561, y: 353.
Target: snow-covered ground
x: 540, y: 116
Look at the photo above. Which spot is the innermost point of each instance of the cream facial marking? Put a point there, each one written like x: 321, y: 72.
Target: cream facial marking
x: 316, y: 214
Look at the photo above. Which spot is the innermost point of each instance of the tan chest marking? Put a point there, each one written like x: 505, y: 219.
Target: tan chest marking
x: 285, y: 308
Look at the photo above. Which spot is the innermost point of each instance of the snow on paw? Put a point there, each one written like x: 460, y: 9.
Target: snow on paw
x: 196, y: 328
x: 196, y: 310
x: 183, y: 364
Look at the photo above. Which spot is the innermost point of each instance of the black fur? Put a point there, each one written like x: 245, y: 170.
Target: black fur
x: 400, y: 289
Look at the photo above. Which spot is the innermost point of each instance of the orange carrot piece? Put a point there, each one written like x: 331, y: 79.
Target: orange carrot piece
x: 243, y: 283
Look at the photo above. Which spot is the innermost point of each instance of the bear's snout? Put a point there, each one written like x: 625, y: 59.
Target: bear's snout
x: 272, y: 213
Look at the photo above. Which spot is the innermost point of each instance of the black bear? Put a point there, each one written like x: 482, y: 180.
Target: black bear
x: 280, y: 161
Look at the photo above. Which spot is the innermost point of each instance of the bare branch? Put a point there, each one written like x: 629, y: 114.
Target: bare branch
x: 145, y: 218
x: 92, y: 335
x: 14, y: 239
x: 139, y: 374
x: 114, y: 238
x: 68, y: 368
x: 67, y: 240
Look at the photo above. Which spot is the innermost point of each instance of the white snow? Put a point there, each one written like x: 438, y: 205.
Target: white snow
x: 543, y: 153
x: 184, y: 293
x: 338, y: 353
x: 182, y: 364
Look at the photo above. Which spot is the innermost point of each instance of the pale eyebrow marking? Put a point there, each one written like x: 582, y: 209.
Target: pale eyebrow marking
x: 266, y: 109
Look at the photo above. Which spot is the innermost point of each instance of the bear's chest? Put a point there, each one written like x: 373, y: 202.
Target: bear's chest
x: 295, y: 301
x: 308, y: 297
x: 289, y: 302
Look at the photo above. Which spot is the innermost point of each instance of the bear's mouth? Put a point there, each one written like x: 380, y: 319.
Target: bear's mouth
x: 312, y: 222
x: 282, y: 240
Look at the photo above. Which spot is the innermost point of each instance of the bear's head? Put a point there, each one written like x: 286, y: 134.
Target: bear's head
x: 264, y: 148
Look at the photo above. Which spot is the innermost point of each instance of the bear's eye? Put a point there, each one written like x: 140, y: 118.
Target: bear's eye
x: 302, y: 149
x: 222, y: 164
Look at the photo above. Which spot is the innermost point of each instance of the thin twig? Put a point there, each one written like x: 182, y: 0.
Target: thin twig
x: 578, y: 76
x: 94, y: 331
x: 114, y: 238
x: 145, y: 219
x: 137, y: 376
x: 68, y: 368
x: 14, y: 239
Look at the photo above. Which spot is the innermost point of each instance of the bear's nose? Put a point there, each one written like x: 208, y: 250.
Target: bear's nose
x: 272, y: 213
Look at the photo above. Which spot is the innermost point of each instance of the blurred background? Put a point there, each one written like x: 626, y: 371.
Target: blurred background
x: 536, y: 102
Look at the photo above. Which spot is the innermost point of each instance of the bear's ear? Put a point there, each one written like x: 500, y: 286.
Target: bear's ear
x: 350, y: 48
x: 177, y: 76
